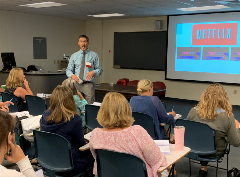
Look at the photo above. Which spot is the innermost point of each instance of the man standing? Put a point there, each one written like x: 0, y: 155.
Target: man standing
x: 83, y: 67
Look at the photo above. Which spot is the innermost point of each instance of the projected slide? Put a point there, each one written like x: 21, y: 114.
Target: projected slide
x: 191, y: 53
x: 215, y: 53
x: 235, y: 54
x: 211, y: 47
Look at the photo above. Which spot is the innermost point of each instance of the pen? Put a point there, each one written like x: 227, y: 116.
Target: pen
x: 9, y: 152
x: 172, y: 108
x: 8, y: 103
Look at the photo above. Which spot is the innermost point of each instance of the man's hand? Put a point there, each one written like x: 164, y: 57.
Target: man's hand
x: 89, y: 75
x: 173, y: 113
x: 74, y: 77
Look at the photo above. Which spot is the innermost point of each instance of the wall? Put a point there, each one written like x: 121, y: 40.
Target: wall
x: 182, y: 90
x: 94, y: 32
x: 18, y: 29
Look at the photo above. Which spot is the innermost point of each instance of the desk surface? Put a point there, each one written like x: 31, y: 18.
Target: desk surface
x: 174, y: 156
x: 171, y: 159
x: 123, y: 89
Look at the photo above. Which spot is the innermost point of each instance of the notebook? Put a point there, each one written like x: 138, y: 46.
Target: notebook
x: 164, y: 146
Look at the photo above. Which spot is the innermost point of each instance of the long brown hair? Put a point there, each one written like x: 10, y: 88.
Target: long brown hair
x: 7, y: 123
x: 62, y: 105
x: 213, y: 98
x: 14, y: 78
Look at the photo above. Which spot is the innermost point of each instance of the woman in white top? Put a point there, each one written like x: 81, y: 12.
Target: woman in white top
x: 7, y: 139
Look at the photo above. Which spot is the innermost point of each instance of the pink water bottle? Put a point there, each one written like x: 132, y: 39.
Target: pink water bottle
x: 179, y: 137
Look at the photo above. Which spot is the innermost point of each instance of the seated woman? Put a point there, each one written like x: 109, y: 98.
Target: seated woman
x: 62, y: 118
x: 4, y: 106
x: 7, y: 139
x: 14, y: 84
x: 78, y: 98
x: 152, y: 106
x: 115, y: 115
x: 215, y: 110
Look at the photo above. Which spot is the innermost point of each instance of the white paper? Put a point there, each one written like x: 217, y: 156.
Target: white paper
x: 162, y: 142
x: 163, y: 145
x: 80, y: 81
x: 177, y: 116
x: 97, y: 104
x: 39, y: 173
x: 20, y: 114
x: 31, y: 123
x: 41, y: 95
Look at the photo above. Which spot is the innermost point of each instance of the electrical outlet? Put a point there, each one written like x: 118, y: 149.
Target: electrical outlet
x: 235, y: 92
x: 54, y: 61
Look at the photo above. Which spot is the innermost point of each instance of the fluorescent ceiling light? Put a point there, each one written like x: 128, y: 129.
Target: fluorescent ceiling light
x: 43, y: 4
x: 108, y: 15
x: 203, y: 8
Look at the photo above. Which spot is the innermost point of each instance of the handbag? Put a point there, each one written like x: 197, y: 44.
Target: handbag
x: 234, y: 172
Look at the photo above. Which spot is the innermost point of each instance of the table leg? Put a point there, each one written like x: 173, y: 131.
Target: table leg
x: 171, y: 173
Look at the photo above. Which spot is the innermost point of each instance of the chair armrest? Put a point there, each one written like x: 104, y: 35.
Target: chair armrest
x: 85, y: 147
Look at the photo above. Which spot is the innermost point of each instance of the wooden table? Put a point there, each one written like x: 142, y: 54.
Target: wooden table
x: 127, y: 91
x: 174, y: 157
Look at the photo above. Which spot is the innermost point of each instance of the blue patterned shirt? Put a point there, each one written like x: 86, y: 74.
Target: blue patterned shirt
x: 80, y: 104
x: 75, y: 64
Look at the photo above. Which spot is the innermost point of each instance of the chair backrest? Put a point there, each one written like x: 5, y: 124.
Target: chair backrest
x: 91, y: 112
x: 160, y: 85
x: 126, y: 79
x: 35, y: 105
x: 121, y: 82
x: 8, y: 97
x: 146, y: 122
x: 111, y: 163
x: 133, y: 83
x: 53, y: 152
x: 198, y: 136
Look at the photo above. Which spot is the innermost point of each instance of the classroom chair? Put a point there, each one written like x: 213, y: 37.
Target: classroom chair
x: 53, y: 153
x: 200, y: 138
x: 160, y: 85
x: 91, y: 112
x: 133, y: 83
x: 146, y: 122
x: 35, y: 105
x: 8, y: 97
x: 119, y: 164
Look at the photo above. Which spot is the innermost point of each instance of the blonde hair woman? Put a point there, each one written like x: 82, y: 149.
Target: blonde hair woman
x: 152, y: 106
x: 78, y: 98
x: 118, y: 134
x: 14, y: 84
x: 215, y: 110
x: 62, y: 118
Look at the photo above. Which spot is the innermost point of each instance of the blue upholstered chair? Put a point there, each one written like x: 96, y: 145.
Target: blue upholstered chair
x: 112, y: 163
x: 201, y: 139
x: 35, y: 105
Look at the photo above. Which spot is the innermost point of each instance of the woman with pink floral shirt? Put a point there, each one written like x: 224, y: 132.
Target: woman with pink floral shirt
x: 118, y: 134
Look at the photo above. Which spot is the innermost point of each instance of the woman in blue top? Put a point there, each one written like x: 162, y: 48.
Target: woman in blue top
x: 63, y: 119
x: 78, y: 98
x: 152, y: 106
